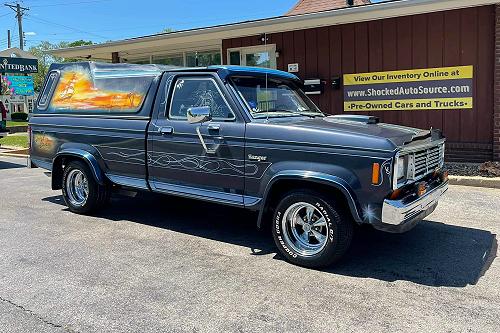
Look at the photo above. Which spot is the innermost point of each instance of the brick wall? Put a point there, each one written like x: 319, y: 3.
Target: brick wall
x: 496, y: 114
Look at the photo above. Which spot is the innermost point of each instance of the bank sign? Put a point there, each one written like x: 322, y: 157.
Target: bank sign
x: 419, y: 89
x: 21, y: 85
x: 18, y: 65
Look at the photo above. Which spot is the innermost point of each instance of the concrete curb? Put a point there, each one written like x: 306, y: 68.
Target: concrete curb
x: 18, y: 129
x: 23, y: 152
x: 475, y: 181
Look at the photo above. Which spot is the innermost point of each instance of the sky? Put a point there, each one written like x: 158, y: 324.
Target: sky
x: 104, y: 20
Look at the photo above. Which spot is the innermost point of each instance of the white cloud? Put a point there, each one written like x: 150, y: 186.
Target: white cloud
x: 30, y: 33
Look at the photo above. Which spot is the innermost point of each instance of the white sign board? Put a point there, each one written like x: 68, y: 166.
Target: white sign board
x: 293, y: 68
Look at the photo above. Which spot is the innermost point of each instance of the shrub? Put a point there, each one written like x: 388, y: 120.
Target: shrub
x: 19, y: 116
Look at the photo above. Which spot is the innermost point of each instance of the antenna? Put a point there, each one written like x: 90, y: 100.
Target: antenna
x: 267, y: 92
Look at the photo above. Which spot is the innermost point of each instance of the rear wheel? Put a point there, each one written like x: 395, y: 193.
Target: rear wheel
x: 81, y: 192
x: 311, y: 229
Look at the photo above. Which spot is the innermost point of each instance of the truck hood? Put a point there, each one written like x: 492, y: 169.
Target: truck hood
x: 398, y: 135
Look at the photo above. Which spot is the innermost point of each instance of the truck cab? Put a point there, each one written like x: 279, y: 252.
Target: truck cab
x: 239, y: 136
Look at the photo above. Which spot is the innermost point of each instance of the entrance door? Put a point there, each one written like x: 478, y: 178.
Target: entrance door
x: 255, y: 56
x: 179, y: 163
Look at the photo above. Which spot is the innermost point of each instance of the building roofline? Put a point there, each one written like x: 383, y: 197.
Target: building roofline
x: 22, y: 54
x: 370, y: 12
x: 291, y: 10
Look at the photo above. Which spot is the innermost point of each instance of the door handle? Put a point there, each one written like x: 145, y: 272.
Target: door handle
x: 214, y: 127
x: 167, y: 130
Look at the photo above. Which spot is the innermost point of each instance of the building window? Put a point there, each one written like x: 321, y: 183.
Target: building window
x: 234, y: 58
x: 255, y: 56
x: 188, y: 59
x: 140, y: 61
x: 171, y: 60
x: 203, y: 59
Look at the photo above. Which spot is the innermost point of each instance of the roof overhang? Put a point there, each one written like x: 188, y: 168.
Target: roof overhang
x: 18, y: 52
x: 214, y: 35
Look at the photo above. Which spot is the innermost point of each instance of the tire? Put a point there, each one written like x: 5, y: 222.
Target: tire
x: 316, y: 239
x: 81, y: 192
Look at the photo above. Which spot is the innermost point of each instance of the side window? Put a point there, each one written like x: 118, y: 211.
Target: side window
x: 46, y: 94
x: 82, y: 90
x: 195, y: 92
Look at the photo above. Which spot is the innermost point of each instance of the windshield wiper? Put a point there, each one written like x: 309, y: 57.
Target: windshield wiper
x: 289, y: 113
x: 273, y: 111
x: 311, y: 113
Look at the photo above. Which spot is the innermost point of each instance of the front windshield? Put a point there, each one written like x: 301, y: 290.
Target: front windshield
x: 274, y: 98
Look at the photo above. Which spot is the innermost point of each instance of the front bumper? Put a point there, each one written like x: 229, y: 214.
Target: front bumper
x: 403, y: 214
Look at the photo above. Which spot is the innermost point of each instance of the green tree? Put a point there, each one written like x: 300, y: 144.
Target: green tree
x: 44, y: 60
x: 81, y: 42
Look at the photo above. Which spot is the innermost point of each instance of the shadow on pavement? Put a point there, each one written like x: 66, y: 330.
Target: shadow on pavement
x: 432, y: 254
x: 9, y: 165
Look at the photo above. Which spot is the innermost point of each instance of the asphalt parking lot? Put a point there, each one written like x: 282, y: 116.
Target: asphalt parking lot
x: 160, y: 264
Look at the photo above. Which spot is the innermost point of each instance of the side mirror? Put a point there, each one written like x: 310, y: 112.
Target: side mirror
x: 199, y: 114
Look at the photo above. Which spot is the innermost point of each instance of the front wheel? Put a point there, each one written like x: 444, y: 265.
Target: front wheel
x: 311, y: 230
x: 81, y: 192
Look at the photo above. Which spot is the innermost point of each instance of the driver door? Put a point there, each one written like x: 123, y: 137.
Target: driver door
x: 178, y: 162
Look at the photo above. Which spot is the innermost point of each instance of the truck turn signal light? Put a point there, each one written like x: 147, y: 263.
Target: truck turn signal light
x: 376, y: 174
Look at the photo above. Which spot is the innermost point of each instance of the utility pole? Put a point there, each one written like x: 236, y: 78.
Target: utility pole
x: 19, y: 15
x: 9, y: 45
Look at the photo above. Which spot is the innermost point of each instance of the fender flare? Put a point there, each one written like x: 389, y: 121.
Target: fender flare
x: 314, y: 177
x: 83, y: 155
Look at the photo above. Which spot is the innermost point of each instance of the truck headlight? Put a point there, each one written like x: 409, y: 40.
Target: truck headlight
x: 400, y: 171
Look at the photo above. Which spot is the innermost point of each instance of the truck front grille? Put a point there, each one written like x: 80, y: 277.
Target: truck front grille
x: 428, y: 160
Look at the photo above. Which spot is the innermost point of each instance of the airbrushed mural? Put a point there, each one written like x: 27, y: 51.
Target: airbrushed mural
x: 78, y: 89
x: 44, y: 143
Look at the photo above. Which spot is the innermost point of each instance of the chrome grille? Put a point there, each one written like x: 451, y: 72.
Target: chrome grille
x: 427, y: 160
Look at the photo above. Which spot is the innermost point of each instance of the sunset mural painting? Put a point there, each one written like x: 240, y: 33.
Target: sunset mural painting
x: 77, y: 90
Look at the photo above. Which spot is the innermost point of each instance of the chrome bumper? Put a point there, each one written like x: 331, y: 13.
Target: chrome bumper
x: 400, y: 212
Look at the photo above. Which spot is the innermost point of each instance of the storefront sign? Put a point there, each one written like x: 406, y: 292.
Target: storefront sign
x: 419, y: 89
x: 21, y: 85
x: 18, y: 65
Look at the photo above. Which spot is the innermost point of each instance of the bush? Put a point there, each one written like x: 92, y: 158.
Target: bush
x: 19, y: 116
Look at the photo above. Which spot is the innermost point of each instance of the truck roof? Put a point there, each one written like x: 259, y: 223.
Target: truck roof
x: 222, y: 70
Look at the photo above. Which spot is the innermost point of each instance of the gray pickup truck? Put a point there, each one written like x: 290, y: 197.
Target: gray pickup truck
x: 239, y: 136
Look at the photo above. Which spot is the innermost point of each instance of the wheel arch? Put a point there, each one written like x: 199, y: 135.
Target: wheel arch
x: 281, y: 183
x: 75, y: 154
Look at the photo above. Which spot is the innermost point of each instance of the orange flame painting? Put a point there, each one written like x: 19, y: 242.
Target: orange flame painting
x: 76, y: 90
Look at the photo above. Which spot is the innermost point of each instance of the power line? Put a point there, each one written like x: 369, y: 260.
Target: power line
x: 65, y: 26
x: 70, y: 3
x: 159, y: 25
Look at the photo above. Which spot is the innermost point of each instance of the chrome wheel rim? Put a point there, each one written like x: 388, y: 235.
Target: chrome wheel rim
x: 77, y: 187
x: 305, y: 229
